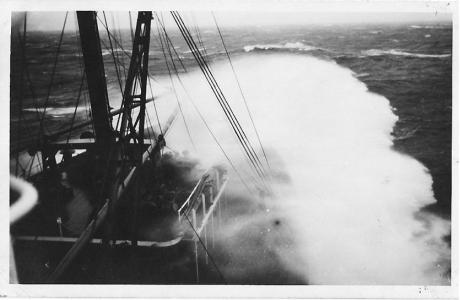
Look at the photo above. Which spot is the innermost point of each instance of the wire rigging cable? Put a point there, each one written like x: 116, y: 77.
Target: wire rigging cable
x: 22, y: 43
x: 205, y: 249
x: 115, y: 59
x: 222, y: 101
x: 200, y: 115
x: 155, y: 106
x: 236, y: 126
x: 21, y: 95
x: 76, y: 106
x: 241, y: 90
x: 53, y: 73
x: 172, y: 84
x: 80, y: 91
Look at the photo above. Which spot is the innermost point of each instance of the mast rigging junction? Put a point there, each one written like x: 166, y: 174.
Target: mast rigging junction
x: 109, y: 171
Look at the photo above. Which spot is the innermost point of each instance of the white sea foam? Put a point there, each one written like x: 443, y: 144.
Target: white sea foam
x: 350, y: 213
x: 288, y: 46
x: 116, y: 51
x: 56, y: 110
x: 379, y: 52
x: 427, y: 26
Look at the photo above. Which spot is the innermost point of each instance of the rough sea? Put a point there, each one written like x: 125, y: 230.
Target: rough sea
x: 356, y: 120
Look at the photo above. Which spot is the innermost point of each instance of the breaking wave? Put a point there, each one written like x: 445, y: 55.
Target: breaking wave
x: 56, y: 110
x: 427, y: 26
x: 347, y: 208
x: 378, y: 52
x: 287, y: 46
x: 116, y: 51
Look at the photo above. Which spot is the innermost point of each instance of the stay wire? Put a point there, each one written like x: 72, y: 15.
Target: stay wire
x: 219, y: 95
x: 121, y: 42
x: 161, y: 22
x: 150, y: 130
x: 174, y: 89
x: 241, y: 90
x: 155, y: 106
x: 170, y: 45
x: 82, y: 71
x: 53, y: 73
x: 247, y: 148
x: 21, y: 94
x: 209, y: 128
x: 201, y: 64
x: 22, y: 40
x: 114, y: 39
x: 76, y: 107
x: 113, y: 54
x: 205, y: 249
x: 224, y: 101
x: 200, y: 40
x: 131, y: 26
x: 197, y: 110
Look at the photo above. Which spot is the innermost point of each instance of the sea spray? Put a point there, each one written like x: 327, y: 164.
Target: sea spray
x: 349, y: 208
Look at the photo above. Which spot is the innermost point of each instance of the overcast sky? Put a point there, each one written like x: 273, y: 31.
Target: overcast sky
x: 44, y: 21
x: 271, y: 12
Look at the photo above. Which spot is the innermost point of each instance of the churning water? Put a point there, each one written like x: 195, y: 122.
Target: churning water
x: 346, y: 208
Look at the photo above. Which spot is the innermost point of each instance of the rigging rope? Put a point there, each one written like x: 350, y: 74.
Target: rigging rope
x: 113, y: 55
x: 150, y: 130
x: 161, y: 22
x: 174, y: 89
x: 258, y: 167
x: 82, y: 70
x: 205, y: 123
x: 76, y: 106
x: 53, y: 73
x: 21, y: 95
x: 22, y: 42
x: 121, y: 42
x: 83, y: 76
x: 131, y: 27
x: 114, y: 39
x: 24, y: 66
x: 241, y: 90
x: 223, y: 102
x: 205, y: 249
x: 200, y: 40
x: 155, y: 106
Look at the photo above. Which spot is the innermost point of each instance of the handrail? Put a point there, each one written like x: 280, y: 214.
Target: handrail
x: 189, y: 197
x: 211, y: 209
x: 28, y: 197
x: 191, y: 194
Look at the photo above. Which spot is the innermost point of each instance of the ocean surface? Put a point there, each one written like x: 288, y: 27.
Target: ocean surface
x: 410, y: 65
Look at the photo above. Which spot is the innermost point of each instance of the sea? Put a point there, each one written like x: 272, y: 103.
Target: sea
x: 355, y: 119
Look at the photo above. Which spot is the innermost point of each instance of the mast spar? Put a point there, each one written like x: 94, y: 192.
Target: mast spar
x: 95, y: 74
x: 124, y: 171
x: 117, y: 155
x: 136, y: 82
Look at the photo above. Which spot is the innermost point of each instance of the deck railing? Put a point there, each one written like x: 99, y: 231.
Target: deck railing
x: 200, y: 208
x: 27, y: 199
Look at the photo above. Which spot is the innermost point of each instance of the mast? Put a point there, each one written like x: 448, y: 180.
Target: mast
x: 124, y: 166
x: 132, y: 125
x: 95, y: 76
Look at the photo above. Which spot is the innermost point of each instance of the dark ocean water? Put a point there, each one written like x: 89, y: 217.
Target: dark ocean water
x: 409, y: 64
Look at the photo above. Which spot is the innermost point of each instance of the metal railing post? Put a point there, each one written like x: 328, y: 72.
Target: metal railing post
x: 196, y: 246
x: 203, y: 201
x: 212, y: 216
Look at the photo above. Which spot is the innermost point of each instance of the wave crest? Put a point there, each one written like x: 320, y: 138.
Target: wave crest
x: 379, y: 52
x: 287, y: 46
